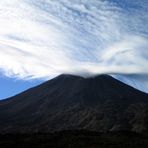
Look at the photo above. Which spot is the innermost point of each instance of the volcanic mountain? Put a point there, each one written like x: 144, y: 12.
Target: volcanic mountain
x: 69, y: 102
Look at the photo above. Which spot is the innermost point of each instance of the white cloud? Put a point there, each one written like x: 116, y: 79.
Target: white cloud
x: 44, y: 38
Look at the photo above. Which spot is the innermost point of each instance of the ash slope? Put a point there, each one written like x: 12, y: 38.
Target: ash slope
x: 69, y: 102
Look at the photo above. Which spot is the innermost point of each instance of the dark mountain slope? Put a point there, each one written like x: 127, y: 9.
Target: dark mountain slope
x: 69, y: 102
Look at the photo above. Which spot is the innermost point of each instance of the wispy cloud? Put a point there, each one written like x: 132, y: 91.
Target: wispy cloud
x: 43, y: 38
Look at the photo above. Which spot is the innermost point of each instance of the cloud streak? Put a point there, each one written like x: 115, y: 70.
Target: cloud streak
x: 44, y: 38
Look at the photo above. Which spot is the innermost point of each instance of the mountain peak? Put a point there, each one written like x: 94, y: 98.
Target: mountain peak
x: 101, y: 76
x: 69, y: 76
x: 78, y: 76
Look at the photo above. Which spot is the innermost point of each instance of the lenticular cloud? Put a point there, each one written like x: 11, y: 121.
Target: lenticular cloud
x: 44, y: 38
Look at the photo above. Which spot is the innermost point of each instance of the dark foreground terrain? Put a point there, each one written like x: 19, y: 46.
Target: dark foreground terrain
x: 75, y: 139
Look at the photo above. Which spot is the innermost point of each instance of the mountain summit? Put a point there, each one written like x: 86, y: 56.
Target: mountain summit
x: 69, y: 102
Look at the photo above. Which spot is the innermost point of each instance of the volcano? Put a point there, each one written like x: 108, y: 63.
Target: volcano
x: 69, y: 102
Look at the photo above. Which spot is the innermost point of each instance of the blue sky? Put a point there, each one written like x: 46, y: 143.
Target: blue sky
x: 10, y: 86
x: 40, y: 39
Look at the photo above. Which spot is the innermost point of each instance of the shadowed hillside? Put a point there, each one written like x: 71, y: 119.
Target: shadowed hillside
x: 69, y: 102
